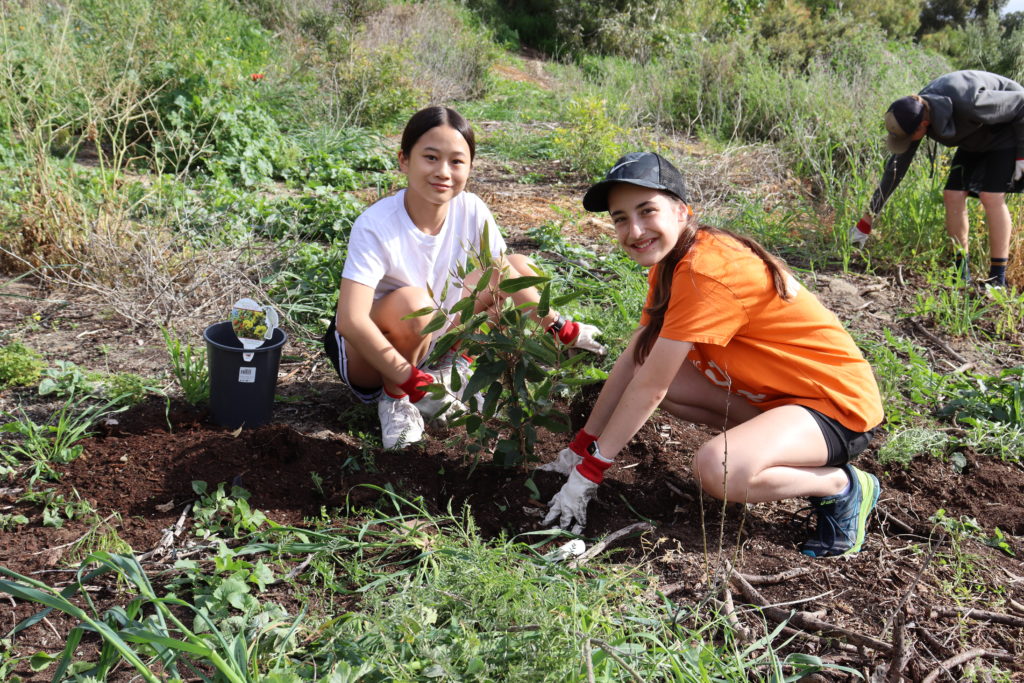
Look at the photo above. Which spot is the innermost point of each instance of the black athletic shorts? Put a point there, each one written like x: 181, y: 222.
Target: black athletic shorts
x: 842, y: 443
x: 990, y: 171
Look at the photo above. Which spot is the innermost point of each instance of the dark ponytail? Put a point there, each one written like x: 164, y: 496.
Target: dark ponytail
x: 666, y: 269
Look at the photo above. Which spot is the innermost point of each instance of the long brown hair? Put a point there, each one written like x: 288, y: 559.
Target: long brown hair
x: 666, y: 269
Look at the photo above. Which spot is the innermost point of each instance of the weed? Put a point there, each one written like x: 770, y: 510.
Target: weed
x: 44, y: 445
x: 217, y: 512
x: 66, y: 379
x: 951, y: 304
x: 56, y: 509
x: 904, y: 445
x: 189, y: 367
x: 995, y: 439
x: 101, y: 536
x: 905, y: 378
x: 9, y: 521
x: 999, y: 398
x: 19, y: 365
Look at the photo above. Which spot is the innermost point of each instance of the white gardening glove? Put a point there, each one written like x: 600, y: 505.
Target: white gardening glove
x: 570, y: 504
x: 859, y: 233
x: 568, y: 508
x: 1018, y: 170
x: 569, y: 457
x: 586, y: 341
x: 563, y: 464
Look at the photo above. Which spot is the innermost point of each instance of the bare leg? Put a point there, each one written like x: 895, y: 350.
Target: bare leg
x: 771, y: 455
x: 957, y: 225
x: 405, y: 335
x: 779, y: 454
x: 997, y: 215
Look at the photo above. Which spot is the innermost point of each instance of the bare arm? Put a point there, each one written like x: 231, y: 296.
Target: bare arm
x: 643, y: 394
x: 354, y: 322
x: 618, y: 379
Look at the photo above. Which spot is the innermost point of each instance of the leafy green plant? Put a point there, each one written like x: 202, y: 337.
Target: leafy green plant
x: 952, y: 305
x: 56, y: 508
x: 997, y: 439
x: 217, y: 512
x: 999, y: 398
x: 589, y: 138
x: 518, y: 369
x: 56, y: 442
x: 10, y: 520
x: 189, y: 367
x: 66, y: 379
x: 19, y: 365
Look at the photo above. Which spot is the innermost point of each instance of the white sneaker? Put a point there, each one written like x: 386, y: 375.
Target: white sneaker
x: 400, y: 422
x: 450, y: 403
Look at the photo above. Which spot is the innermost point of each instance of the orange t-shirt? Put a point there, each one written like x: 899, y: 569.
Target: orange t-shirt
x: 755, y: 344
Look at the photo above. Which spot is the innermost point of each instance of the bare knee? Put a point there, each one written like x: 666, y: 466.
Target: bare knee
x: 955, y: 200
x: 719, y: 475
x: 522, y: 264
x: 389, y: 314
x: 992, y: 200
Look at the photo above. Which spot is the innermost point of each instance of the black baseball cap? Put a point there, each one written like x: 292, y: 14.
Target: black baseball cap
x: 645, y: 169
x: 901, y: 121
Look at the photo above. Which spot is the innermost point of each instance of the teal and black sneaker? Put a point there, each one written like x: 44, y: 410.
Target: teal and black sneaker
x: 843, y: 519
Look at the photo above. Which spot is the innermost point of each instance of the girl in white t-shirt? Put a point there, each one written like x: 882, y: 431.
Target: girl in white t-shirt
x: 403, y: 248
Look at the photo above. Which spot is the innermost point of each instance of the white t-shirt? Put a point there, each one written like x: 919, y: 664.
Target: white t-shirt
x: 387, y: 251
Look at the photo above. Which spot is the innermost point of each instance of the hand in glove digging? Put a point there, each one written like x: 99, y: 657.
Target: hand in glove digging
x: 569, y: 457
x: 577, y: 335
x: 568, y: 508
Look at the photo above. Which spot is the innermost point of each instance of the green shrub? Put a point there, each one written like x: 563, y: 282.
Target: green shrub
x: 588, y: 140
x: 19, y: 365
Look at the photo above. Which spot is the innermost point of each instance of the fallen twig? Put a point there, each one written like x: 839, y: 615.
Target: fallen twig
x: 766, y: 580
x: 612, y: 652
x: 980, y: 615
x: 938, y: 342
x: 807, y: 621
x: 729, y: 609
x: 895, y: 521
x: 963, y: 658
x: 901, y: 652
x: 587, y: 661
x: 599, y: 547
x: 910, y: 590
x: 167, y: 539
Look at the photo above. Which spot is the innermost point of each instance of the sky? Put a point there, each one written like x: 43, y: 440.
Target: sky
x: 1014, y: 6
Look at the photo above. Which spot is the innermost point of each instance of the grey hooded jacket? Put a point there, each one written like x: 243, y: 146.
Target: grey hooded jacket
x: 976, y: 111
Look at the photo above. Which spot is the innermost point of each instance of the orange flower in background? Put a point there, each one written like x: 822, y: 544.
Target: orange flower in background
x: 256, y: 78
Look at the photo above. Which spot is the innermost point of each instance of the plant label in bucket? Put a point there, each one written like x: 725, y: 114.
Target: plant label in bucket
x: 252, y: 324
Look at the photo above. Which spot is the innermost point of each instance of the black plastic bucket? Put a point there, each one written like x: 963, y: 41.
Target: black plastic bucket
x: 241, y: 391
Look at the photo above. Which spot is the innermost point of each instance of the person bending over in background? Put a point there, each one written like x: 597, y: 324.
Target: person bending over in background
x: 982, y: 115
x: 404, y: 254
x: 730, y: 339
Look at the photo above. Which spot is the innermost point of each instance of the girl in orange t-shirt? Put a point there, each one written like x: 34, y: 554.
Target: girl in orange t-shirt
x: 728, y: 338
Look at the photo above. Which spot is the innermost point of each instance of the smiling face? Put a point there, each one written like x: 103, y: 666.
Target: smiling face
x: 647, y: 222
x: 437, y: 166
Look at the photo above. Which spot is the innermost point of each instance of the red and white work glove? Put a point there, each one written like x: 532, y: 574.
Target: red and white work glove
x: 577, y: 335
x: 569, y: 457
x: 1018, y: 170
x: 441, y: 409
x: 859, y: 233
x: 568, y: 509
